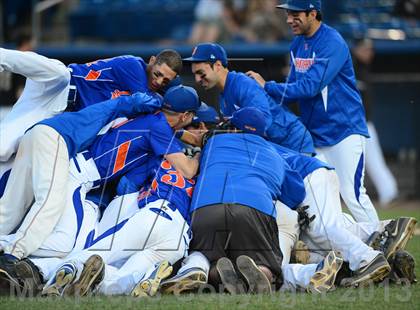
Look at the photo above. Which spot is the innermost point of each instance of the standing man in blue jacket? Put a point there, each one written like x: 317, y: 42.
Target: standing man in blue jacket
x: 323, y: 82
x: 210, y: 69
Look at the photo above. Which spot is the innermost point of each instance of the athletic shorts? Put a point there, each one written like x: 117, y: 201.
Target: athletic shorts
x: 232, y: 230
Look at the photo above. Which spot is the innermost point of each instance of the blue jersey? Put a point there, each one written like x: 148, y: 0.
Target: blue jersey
x: 170, y: 185
x: 238, y: 168
x: 133, y: 144
x: 304, y: 165
x: 283, y: 126
x: 107, y: 79
x: 323, y: 82
x: 80, y: 129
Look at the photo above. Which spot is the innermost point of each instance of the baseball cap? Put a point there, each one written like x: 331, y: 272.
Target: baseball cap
x: 210, y: 52
x: 206, y: 114
x: 301, y: 5
x: 181, y: 99
x: 250, y: 120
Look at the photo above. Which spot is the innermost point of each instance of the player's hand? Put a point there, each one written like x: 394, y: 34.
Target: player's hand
x: 191, y: 151
x: 256, y: 76
x: 303, y: 217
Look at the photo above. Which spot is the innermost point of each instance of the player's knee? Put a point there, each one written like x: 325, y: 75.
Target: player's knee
x: 63, y: 75
x: 7, y: 149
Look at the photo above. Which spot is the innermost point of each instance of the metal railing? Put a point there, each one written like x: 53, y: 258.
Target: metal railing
x: 39, y: 8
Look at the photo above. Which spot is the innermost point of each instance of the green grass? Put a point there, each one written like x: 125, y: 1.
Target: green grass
x: 381, y: 298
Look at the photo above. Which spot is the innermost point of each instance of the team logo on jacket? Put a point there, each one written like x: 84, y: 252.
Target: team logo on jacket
x: 303, y: 64
x: 117, y: 93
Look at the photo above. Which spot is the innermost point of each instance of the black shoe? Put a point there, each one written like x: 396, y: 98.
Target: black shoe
x: 32, y: 278
x: 403, y: 267
x: 398, y: 233
x: 230, y: 279
x: 257, y: 280
x: 375, y: 271
x: 9, y: 280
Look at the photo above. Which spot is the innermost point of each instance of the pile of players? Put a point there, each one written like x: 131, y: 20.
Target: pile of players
x: 142, y: 188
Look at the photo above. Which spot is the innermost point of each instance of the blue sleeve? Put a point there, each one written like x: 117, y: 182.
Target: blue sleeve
x: 131, y: 73
x: 163, y: 141
x: 250, y: 94
x: 293, y: 190
x: 328, y: 63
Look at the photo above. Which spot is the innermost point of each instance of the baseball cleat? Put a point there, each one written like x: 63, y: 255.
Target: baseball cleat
x: 188, y: 280
x: 64, y: 276
x: 150, y: 286
x: 92, y: 274
x: 324, y: 278
x: 230, y: 279
x: 8, y: 276
x: 258, y: 282
x: 398, y: 232
x: 375, y: 271
x: 32, y: 278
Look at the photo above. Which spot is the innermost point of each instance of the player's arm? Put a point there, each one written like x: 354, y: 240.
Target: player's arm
x: 188, y: 167
x: 191, y: 138
x: 328, y: 63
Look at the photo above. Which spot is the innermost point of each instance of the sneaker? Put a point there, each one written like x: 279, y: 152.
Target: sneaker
x: 189, y: 280
x: 8, y: 276
x: 150, y: 286
x: 257, y: 280
x: 398, y: 232
x: 324, y: 277
x: 64, y: 276
x: 300, y: 253
x: 230, y: 279
x: 32, y: 278
x: 92, y: 274
x: 375, y: 271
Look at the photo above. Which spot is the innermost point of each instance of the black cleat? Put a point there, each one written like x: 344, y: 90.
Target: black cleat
x: 9, y: 279
x: 403, y: 267
x: 31, y: 277
x: 375, y: 271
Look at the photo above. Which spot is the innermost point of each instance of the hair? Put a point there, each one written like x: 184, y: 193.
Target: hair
x: 171, y: 58
x: 318, y: 15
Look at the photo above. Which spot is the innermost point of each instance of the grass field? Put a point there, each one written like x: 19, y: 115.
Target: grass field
x: 386, y: 297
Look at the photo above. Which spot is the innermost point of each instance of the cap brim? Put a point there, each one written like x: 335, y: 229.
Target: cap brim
x: 290, y: 7
x: 194, y: 59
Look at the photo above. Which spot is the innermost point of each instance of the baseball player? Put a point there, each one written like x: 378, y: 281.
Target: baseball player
x: 122, y: 149
x: 322, y: 80
x: 209, y: 66
x: 51, y: 88
x: 155, y: 234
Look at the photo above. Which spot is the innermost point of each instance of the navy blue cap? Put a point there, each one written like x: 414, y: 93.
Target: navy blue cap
x: 181, y: 99
x: 301, y: 5
x: 210, y: 52
x: 250, y: 120
x: 206, y: 114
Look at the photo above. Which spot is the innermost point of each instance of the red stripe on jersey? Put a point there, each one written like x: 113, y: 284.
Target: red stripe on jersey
x: 121, y: 156
x: 92, y: 75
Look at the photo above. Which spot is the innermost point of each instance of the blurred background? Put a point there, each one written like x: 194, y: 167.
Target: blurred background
x: 384, y: 36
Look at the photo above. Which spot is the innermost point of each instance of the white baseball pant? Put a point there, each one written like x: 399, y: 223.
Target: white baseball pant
x: 348, y: 158
x: 327, y: 232
x: 287, y: 222
x: 53, y: 225
x: 45, y: 94
x: 141, y: 241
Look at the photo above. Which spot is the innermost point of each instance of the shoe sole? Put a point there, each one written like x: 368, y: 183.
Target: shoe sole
x: 230, y: 280
x: 149, y: 287
x: 191, y: 282
x: 323, y: 280
x: 62, y: 280
x: 90, y: 275
x: 32, y: 279
x: 7, y: 283
x: 404, y: 238
x: 257, y: 280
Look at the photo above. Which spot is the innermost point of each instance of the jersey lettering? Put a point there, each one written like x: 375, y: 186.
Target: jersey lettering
x: 121, y: 156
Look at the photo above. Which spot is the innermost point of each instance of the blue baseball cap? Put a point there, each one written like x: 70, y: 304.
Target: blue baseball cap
x: 206, y: 114
x: 250, y: 120
x: 210, y: 52
x: 301, y: 5
x: 181, y: 99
